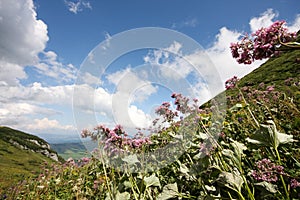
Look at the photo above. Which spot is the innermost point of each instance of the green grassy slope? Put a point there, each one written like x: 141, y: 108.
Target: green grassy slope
x: 15, y: 163
x: 277, y: 72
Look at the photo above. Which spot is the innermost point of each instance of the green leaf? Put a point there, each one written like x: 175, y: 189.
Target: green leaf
x: 231, y: 180
x: 267, y: 186
x: 268, y: 135
x: 169, y: 191
x: 152, y: 181
x: 210, y: 188
x: 119, y: 196
x: 236, y: 107
x: 123, y: 196
x: 202, y: 136
x: 238, y: 148
x: 127, y: 184
x: 131, y: 159
x: 182, y: 168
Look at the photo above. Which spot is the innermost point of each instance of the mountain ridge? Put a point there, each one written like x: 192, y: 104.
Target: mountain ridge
x: 21, y: 156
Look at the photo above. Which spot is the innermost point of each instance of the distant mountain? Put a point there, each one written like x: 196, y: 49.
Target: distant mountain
x: 21, y: 156
x: 75, y: 150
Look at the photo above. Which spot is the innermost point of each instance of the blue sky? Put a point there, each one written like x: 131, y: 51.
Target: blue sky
x: 45, y: 46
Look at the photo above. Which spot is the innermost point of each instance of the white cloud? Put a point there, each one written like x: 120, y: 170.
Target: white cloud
x: 90, y: 79
x: 264, y: 20
x: 37, y: 93
x: 78, y: 6
x: 51, y: 67
x: 23, y: 37
x: 92, y: 100
x: 49, y: 125
x: 193, y: 22
x: 295, y: 26
x: 139, y: 118
x: 11, y: 73
x: 212, y: 66
x: 130, y: 85
x: 117, y: 76
x: 106, y: 44
x: 174, y: 66
x: 19, y: 114
x: 220, y: 55
x: 18, y: 109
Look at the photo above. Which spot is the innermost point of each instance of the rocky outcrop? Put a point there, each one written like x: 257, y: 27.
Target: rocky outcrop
x: 35, y: 146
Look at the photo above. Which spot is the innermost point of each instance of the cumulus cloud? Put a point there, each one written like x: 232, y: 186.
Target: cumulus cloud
x: 47, y: 124
x: 268, y: 17
x: 131, y: 84
x: 139, y: 118
x: 23, y: 37
x: 37, y: 93
x: 295, y: 26
x: 11, y: 73
x: 51, y: 67
x: 18, y: 114
x: 264, y: 20
x: 78, y: 6
x: 219, y: 53
x: 22, y: 43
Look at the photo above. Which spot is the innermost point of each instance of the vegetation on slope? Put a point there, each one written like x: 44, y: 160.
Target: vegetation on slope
x: 16, y: 163
x: 255, y: 156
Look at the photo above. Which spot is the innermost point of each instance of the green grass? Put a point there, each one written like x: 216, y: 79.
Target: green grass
x: 17, y: 164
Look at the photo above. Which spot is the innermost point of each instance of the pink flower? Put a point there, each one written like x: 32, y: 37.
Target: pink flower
x: 270, y: 88
x: 267, y: 171
x: 85, y: 133
x: 231, y: 83
x: 263, y: 44
x: 294, y: 183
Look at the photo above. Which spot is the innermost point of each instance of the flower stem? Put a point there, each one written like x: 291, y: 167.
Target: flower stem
x: 281, y: 177
x: 256, y: 122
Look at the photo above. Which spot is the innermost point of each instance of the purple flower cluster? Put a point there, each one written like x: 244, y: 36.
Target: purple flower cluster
x: 182, y: 107
x: 181, y: 103
x: 116, y: 140
x: 265, y: 43
x: 231, y: 83
x: 294, y: 183
x: 165, y: 111
x: 267, y: 171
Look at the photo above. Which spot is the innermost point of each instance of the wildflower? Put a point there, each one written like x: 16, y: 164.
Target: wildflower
x: 267, y: 171
x: 263, y: 44
x: 240, y: 119
x: 70, y: 162
x: 231, y: 83
x: 270, y: 88
x: 85, y: 133
x: 294, y: 183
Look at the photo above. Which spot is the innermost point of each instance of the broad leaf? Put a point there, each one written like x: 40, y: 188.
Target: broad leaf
x: 236, y: 107
x: 238, y: 147
x: 131, y: 159
x: 268, y: 135
x: 123, y: 196
x: 152, y: 181
x: 230, y: 180
x: 267, y: 186
x: 169, y: 191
